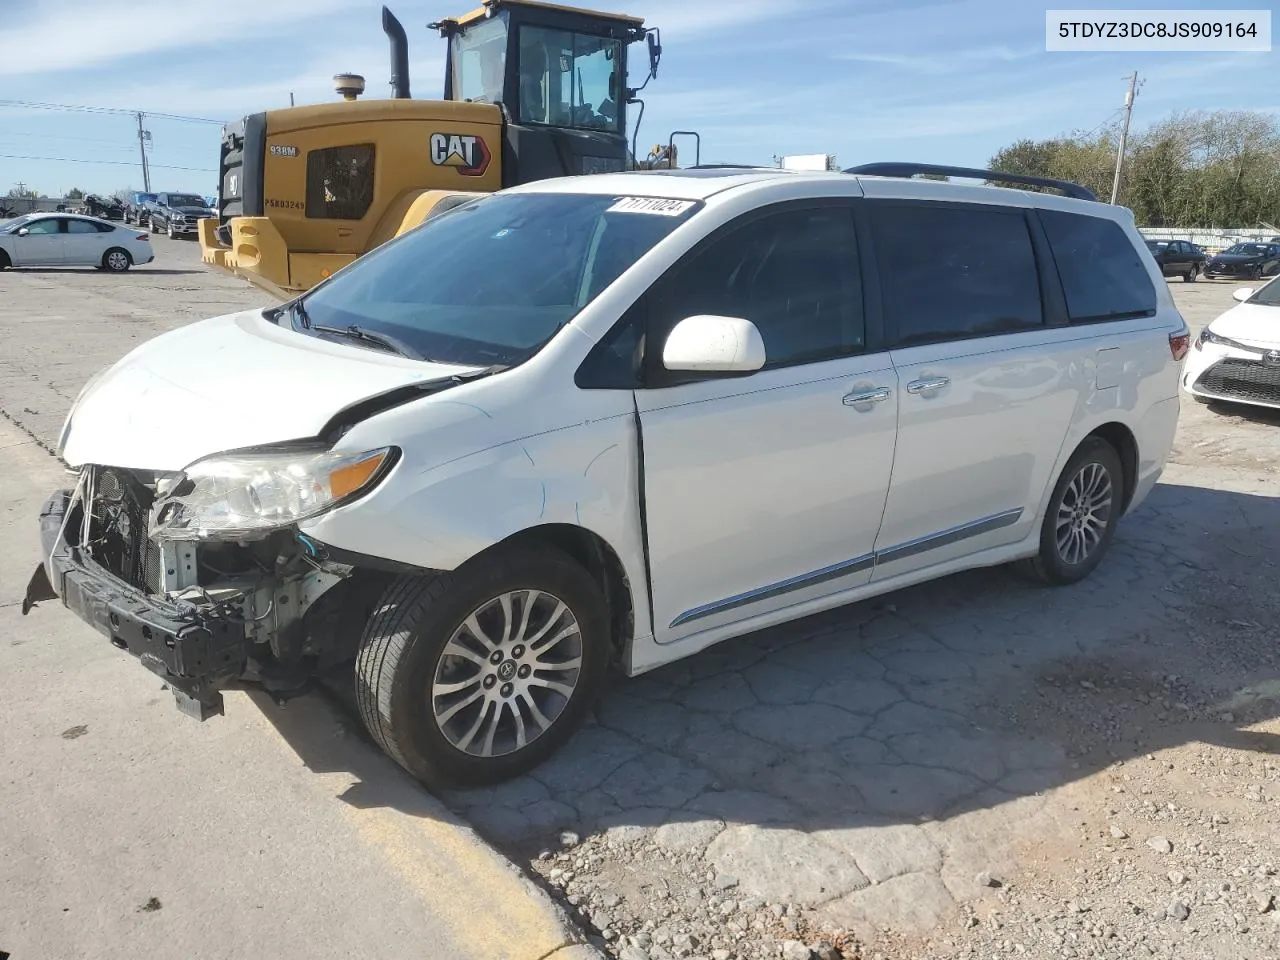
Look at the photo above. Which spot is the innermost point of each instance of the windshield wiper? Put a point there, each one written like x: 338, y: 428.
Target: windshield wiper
x: 354, y: 332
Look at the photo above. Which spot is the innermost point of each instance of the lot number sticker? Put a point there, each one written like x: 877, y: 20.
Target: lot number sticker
x: 654, y: 205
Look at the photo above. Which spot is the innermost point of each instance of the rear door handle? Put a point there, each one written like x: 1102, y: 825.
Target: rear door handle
x: 878, y: 395
x: 928, y: 384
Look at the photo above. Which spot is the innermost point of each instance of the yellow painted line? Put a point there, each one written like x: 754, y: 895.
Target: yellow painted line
x: 488, y: 906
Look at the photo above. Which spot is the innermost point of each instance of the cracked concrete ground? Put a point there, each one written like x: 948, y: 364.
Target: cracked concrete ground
x: 885, y: 767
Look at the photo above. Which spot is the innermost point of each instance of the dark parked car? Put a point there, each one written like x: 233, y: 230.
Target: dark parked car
x: 1248, y: 261
x: 176, y: 213
x: 135, y: 208
x: 1178, y: 258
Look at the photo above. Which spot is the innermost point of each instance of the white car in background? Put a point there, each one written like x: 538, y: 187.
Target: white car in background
x: 1237, y: 356
x: 72, y: 240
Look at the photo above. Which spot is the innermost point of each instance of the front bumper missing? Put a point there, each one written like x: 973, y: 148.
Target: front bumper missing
x: 198, y: 653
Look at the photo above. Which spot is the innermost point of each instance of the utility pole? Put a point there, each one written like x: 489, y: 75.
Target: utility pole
x: 1124, y: 134
x: 143, y: 137
x: 291, y: 98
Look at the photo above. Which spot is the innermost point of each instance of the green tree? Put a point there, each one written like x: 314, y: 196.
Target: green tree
x: 1219, y: 169
x: 75, y: 193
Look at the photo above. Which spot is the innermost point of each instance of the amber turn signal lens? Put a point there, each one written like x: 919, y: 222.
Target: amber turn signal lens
x: 347, y: 480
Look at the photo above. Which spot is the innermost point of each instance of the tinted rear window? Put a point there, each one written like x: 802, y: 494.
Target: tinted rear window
x: 949, y: 271
x: 1103, y: 275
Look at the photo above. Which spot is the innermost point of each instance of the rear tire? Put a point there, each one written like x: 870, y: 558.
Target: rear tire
x: 1080, y: 521
x: 480, y: 674
x: 117, y: 260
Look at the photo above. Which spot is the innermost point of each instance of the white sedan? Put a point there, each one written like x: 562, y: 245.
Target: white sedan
x: 72, y: 240
x: 1237, y: 356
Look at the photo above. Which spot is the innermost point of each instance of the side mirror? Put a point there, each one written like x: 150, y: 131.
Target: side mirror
x: 709, y: 344
x: 1243, y: 294
x: 23, y: 231
x: 655, y: 52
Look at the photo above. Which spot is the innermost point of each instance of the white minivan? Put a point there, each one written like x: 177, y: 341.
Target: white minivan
x: 611, y: 420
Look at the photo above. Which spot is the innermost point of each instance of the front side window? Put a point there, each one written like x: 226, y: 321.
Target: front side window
x: 479, y: 60
x: 948, y: 272
x: 45, y: 227
x: 569, y: 79
x: 794, y: 274
x: 489, y: 282
x: 340, y: 182
x: 1102, y: 275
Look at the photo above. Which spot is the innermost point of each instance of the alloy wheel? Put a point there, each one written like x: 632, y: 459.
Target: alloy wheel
x: 116, y: 260
x: 507, y: 673
x: 1083, y: 513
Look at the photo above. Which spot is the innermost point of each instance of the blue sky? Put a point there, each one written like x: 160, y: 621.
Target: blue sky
x: 913, y: 80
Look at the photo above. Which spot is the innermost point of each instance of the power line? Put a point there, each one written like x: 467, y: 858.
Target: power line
x: 81, y: 108
x: 114, y: 163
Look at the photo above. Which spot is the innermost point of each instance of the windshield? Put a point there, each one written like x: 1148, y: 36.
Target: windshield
x: 491, y: 281
x: 1267, y: 296
x: 185, y: 200
x: 16, y: 222
x: 1247, y: 249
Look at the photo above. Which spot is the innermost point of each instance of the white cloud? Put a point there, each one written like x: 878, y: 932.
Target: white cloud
x: 90, y: 33
x: 943, y: 62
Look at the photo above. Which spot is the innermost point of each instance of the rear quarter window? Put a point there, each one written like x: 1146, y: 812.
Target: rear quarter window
x: 1103, y: 274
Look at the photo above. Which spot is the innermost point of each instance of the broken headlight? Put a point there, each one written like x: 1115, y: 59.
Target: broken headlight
x: 247, y: 495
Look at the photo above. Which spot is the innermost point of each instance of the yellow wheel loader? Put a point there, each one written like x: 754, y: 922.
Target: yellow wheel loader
x: 532, y: 90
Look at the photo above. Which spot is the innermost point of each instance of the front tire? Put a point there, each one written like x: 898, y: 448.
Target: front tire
x: 116, y: 260
x: 478, y: 675
x: 1191, y: 275
x: 1081, y: 519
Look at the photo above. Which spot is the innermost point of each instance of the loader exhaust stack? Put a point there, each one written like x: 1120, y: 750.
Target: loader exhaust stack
x: 399, y: 55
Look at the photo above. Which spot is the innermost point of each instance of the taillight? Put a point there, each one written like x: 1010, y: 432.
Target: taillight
x: 143, y: 236
x: 1179, y: 344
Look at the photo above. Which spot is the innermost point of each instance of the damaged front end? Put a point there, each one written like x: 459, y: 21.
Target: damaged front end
x: 205, y: 603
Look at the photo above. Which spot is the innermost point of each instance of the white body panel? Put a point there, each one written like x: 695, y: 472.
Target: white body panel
x: 721, y: 491
x: 750, y: 483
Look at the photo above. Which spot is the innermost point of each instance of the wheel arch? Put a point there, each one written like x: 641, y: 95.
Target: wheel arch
x: 1122, y: 440
x: 598, y: 558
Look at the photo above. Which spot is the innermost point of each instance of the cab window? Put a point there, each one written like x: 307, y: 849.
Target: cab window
x: 340, y: 182
x: 569, y: 79
x: 479, y: 59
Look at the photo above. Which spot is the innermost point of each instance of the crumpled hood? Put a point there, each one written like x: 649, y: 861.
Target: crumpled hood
x: 1237, y: 258
x: 227, y: 383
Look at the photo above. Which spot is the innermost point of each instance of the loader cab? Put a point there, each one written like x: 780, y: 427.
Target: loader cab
x: 558, y: 74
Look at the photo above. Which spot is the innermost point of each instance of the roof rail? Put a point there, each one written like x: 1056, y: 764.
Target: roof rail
x: 912, y: 169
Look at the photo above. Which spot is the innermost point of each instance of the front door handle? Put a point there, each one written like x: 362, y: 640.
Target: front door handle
x: 878, y: 395
x: 928, y: 384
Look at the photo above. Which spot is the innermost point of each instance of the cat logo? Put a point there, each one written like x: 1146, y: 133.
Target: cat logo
x: 465, y: 153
